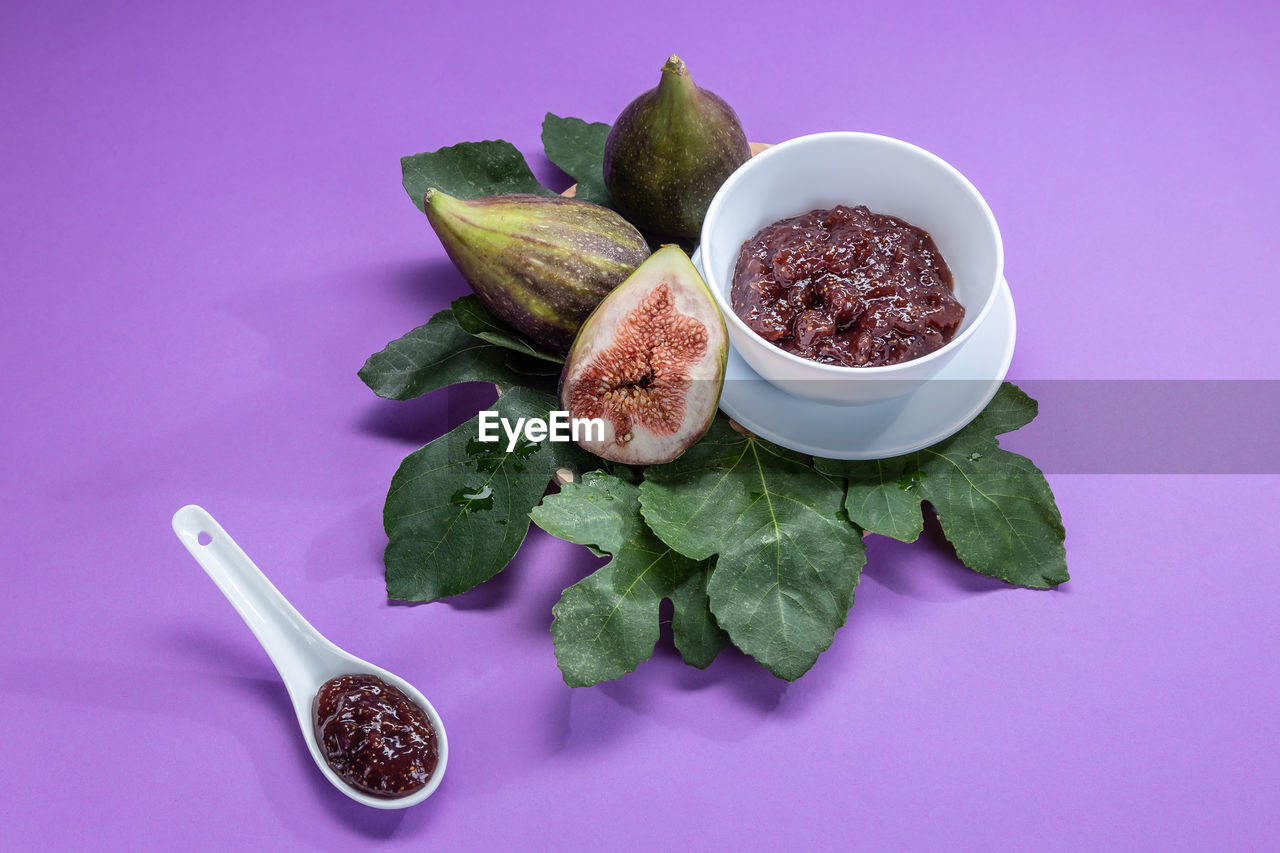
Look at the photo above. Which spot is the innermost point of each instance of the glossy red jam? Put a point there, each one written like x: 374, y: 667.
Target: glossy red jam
x: 846, y: 287
x: 374, y: 736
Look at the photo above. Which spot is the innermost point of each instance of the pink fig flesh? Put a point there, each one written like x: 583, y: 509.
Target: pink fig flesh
x: 649, y: 363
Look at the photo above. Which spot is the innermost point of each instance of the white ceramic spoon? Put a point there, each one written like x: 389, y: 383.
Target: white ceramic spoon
x: 304, y: 658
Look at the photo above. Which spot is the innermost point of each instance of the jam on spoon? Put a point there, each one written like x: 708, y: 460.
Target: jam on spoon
x: 374, y: 736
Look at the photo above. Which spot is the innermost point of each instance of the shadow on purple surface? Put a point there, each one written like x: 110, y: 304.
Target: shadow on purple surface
x: 253, y: 709
x: 268, y: 693
x: 750, y: 682
x: 500, y: 590
x: 595, y: 718
x: 493, y: 594
x: 567, y: 565
x: 927, y: 569
x: 348, y: 548
x: 428, y: 417
x: 433, y: 283
x: 592, y: 720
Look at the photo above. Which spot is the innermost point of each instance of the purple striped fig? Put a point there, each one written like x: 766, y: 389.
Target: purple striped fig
x: 540, y: 263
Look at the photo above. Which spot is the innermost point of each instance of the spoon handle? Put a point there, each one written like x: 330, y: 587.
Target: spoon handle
x: 296, y: 648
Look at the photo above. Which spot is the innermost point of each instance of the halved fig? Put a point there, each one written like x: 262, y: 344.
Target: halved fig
x: 649, y: 362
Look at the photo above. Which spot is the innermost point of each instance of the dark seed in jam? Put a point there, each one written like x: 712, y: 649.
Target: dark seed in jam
x: 846, y: 286
x: 377, y: 739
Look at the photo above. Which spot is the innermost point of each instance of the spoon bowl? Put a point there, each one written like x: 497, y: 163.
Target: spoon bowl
x: 304, y: 658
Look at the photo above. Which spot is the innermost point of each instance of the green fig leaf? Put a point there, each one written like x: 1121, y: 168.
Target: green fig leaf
x: 882, y: 498
x: 534, y: 371
x: 477, y: 320
x: 787, y: 558
x: 1010, y: 409
x: 441, y: 353
x: 577, y: 147
x: 607, y: 624
x: 458, y: 508
x: 469, y: 170
x: 693, y: 626
x: 994, y: 506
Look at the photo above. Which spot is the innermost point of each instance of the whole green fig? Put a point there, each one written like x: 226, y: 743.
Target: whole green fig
x: 540, y: 263
x: 668, y: 153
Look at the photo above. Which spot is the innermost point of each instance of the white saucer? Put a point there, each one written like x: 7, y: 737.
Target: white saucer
x: 936, y: 410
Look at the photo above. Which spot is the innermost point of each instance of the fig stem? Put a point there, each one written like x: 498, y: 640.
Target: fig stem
x: 676, y: 83
x: 675, y: 65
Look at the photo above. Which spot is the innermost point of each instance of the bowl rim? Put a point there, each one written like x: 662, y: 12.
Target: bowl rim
x: 943, y: 352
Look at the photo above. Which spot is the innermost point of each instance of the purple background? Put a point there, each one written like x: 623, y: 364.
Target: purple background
x: 204, y: 235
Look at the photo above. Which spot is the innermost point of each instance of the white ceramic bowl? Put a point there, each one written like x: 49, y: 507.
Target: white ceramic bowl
x: 888, y: 176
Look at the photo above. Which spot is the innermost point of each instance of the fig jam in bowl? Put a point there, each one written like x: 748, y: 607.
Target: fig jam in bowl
x: 885, y: 187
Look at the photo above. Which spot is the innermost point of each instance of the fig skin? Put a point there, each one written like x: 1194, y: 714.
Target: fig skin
x: 540, y: 263
x: 654, y: 377
x: 668, y: 153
